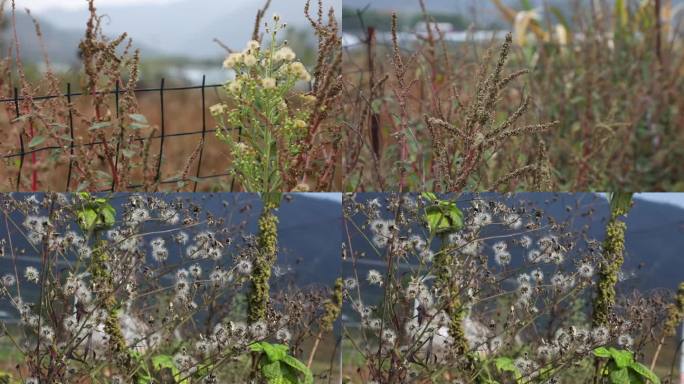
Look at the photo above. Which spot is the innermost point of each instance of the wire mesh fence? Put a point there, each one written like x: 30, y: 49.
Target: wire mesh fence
x: 24, y: 150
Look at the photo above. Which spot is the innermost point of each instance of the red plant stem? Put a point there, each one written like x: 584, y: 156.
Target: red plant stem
x: 34, y: 171
x: 659, y: 31
x: 302, y: 157
x: 112, y: 164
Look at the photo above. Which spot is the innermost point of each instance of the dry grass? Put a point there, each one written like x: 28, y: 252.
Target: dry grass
x: 414, y: 111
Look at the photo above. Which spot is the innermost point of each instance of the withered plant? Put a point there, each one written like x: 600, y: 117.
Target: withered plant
x: 490, y: 288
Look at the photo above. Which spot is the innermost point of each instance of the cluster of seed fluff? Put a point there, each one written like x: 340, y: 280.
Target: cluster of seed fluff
x: 507, y: 258
x: 163, y: 263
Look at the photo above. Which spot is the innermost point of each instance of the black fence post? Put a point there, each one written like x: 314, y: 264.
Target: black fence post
x: 21, y: 137
x: 70, y: 94
x: 71, y: 134
x: 120, y: 125
x: 204, y: 132
x: 163, y: 131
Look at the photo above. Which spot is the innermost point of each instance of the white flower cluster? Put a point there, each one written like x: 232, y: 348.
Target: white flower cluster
x: 205, y: 246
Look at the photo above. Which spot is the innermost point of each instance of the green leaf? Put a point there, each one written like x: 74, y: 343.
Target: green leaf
x: 602, y: 352
x: 620, y: 202
x: 100, y: 125
x: 429, y: 196
x: 300, y: 367
x: 272, y: 198
x: 138, y: 126
x: 96, y: 213
x: 22, y: 118
x: 82, y: 186
x: 526, y: 5
x: 36, y: 141
x: 443, y: 217
x: 506, y: 364
x: 87, y: 217
x: 108, y: 215
x: 138, y: 118
x: 163, y: 361
x: 128, y: 153
x: 621, y: 358
x: 619, y: 376
x: 275, y: 352
x: 271, y: 371
x: 160, y: 362
x: 644, y: 372
x: 257, y: 347
x: 561, y: 17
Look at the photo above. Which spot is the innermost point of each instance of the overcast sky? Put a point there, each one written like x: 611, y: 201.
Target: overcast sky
x: 43, y: 5
x: 671, y: 198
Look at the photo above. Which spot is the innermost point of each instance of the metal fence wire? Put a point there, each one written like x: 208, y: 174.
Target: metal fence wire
x: 162, y: 89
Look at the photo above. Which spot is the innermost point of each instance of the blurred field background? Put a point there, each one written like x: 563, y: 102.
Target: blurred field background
x: 609, y: 71
x: 180, y: 41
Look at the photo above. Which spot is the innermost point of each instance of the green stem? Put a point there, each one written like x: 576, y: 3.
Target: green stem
x: 266, y: 258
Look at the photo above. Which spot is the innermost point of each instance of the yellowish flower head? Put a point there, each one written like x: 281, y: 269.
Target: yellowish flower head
x: 217, y: 109
x: 284, y: 54
x: 300, y: 71
x: 233, y: 60
x: 309, y: 99
x: 253, y: 45
x: 235, y: 86
x: 300, y: 124
x: 241, y: 147
x: 268, y: 82
x: 249, y: 60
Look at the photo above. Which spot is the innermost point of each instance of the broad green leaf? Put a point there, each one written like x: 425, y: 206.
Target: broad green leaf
x: 100, y: 125
x: 622, y: 358
x: 96, y: 213
x: 138, y: 118
x: 275, y: 352
x: 506, y: 364
x: 300, y: 367
x: 138, y: 126
x: 160, y: 362
x: 622, y: 15
x: 429, y: 196
x: 272, y: 198
x: 620, y: 202
x: 526, y: 5
x: 443, y: 217
x: 83, y: 185
x: 561, y: 17
x: 87, y: 217
x: 602, y: 352
x: 271, y: 371
x: 619, y: 376
x: 128, y: 153
x: 36, y: 141
x: 108, y: 214
x: 644, y: 372
x: 5, y: 378
x: 22, y: 118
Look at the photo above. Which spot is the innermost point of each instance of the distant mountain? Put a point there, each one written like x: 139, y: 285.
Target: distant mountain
x: 309, y: 237
x: 61, y: 44
x: 187, y: 28
x: 654, y: 240
x: 481, y: 12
